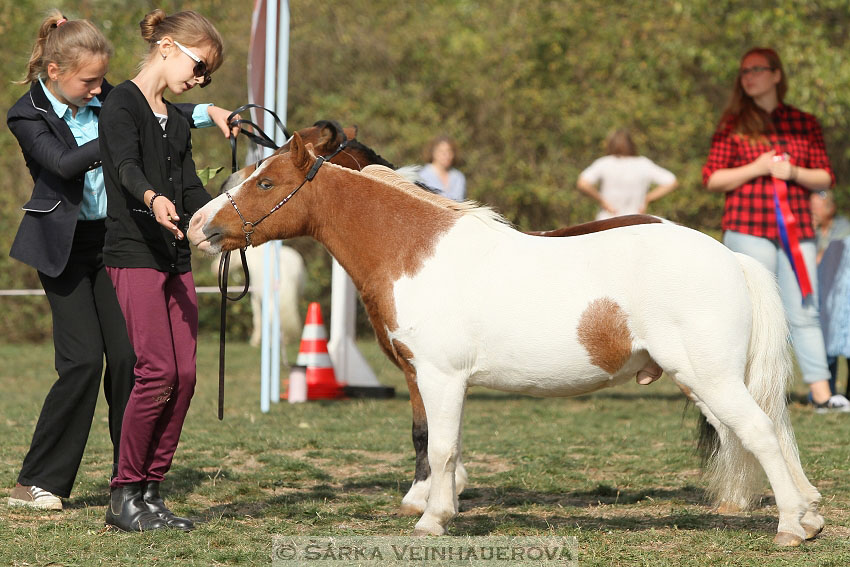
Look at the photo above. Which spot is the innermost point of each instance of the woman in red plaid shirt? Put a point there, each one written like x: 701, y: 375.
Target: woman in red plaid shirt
x: 761, y: 143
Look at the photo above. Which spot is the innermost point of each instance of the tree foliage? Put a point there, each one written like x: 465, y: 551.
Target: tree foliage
x: 529, y: 88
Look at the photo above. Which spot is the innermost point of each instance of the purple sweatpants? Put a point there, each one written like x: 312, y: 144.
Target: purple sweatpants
x: 161, y: 310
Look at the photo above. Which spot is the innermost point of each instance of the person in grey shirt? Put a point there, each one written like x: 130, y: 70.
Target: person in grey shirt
x: 439, y: 173
x: 828, y: 225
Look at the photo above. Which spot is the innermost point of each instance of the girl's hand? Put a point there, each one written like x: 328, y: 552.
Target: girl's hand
x: 166, y: 215
x: 781, y: 167
x: 764, y: 162
x: 219, y: 117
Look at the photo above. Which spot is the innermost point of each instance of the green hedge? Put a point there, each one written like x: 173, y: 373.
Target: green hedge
x: 529, y: 89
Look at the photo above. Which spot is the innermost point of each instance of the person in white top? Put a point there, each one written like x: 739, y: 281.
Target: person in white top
x: 439, y: 173
x: 620, y: 181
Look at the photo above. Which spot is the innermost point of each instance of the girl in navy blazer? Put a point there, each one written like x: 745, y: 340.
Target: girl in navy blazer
x: 62, y: 236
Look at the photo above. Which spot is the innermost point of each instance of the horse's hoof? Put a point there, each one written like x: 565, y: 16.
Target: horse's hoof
x: 727, y: 507
x: 787, y: 539
x: 428, y: 529
x: 420, y: 532
x: 812, y: 531
x: 410, y: 510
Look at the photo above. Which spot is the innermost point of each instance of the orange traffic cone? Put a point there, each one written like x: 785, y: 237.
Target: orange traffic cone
x: 313, y: 355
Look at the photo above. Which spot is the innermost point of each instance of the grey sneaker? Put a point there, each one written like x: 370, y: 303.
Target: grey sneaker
x: 835, y: 404
x: 34, y: 497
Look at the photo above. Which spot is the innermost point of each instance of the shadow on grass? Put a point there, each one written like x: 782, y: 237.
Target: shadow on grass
x: 484, y: 524
x: 179, y: 483
x: 512, y: 496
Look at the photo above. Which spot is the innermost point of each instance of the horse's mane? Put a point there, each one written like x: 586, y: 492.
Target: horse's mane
x: 473, y: 208
x: 354, y: 143
x: 370, y: 153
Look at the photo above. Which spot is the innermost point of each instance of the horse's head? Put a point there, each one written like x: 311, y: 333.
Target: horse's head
x: 261, y: 208
x: 325, y: 135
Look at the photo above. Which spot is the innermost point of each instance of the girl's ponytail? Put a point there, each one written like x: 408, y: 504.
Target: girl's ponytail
x: 66, y: 43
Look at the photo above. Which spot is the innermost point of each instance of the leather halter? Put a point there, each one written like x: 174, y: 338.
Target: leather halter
x: 248, y: 227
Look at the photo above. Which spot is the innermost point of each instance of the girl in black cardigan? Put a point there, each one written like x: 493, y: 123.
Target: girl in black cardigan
x: 153, y: 191
x: 61, y: 235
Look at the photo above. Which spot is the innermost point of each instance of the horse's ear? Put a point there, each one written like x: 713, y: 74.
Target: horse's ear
x: 328, y: 134
x: 299, y: 153
x: 350, y: 132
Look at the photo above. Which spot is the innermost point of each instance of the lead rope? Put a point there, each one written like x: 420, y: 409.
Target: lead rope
x: 223, y: 270
x: 260, y: 138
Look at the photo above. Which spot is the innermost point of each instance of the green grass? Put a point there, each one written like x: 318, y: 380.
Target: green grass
x: 616, y: 470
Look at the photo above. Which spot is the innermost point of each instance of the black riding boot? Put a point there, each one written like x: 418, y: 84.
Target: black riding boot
x: 157, y: 506
x: 127, y: 511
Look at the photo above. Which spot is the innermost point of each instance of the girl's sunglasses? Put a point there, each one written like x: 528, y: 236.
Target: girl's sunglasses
x: 200, y: 69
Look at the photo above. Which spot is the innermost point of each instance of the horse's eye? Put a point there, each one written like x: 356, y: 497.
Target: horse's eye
x: 265, y: 184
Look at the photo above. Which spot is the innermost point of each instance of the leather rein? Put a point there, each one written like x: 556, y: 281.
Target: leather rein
x: 262, y: 139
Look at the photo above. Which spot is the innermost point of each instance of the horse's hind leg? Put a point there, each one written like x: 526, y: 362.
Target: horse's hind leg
x: 443, y: 398
x: 812, y: 521
x: 731, y: 404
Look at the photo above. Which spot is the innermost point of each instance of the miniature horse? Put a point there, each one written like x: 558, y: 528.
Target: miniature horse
x: 595, y: 310
x: 327, y: 136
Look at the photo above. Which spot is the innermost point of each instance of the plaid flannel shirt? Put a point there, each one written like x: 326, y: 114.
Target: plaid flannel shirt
x: 749, y: 208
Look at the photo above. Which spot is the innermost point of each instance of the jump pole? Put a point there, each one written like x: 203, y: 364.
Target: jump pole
x: 275, y: 89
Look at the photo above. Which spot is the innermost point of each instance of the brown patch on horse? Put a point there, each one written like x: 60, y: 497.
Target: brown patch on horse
x: 603, y: 331
x: 597, y: 226
x: 412, y: 244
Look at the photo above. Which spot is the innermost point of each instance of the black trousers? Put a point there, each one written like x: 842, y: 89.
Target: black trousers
x: 87, y: 323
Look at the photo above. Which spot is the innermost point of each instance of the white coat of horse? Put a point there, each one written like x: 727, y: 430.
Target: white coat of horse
x: 458, y: 298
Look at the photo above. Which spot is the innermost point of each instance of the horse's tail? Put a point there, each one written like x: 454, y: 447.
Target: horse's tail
x: 735, y: 478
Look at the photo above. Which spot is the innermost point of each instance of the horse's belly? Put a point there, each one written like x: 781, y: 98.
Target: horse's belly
x: 562, y: 377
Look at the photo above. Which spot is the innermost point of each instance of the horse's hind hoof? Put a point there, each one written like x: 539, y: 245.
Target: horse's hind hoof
x: 812, y: 531
x: 726, y: 508
x: 410, y: 510
x: 787, y: 539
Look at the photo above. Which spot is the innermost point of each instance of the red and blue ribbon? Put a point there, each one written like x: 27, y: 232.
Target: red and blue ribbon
x: 789, y: 233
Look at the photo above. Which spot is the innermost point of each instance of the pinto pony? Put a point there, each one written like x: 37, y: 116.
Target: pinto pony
x: 595, y: 310
x: 327, y: 137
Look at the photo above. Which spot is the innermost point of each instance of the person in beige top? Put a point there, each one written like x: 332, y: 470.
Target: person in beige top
x: 620, y: 181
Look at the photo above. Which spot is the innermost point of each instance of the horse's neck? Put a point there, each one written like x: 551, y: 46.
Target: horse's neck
x: 376, y: 232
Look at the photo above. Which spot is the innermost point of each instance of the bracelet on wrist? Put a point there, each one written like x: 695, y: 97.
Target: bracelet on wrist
x: 155, y: 195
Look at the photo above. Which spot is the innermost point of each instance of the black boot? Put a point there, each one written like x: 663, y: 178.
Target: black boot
x: 127, y: 510
x: 156, y: 505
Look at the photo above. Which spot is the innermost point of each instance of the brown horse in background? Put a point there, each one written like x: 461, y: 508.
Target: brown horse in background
x: 341, y: 147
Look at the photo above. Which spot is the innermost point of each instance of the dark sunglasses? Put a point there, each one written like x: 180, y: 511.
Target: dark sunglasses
x: 200, y: 69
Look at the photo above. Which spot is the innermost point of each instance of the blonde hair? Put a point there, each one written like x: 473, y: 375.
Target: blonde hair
x: 67, y: 43
x: 189, y: 28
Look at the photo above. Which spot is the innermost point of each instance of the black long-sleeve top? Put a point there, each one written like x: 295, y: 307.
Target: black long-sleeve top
x: 138, y: 155
x: 57, y: 166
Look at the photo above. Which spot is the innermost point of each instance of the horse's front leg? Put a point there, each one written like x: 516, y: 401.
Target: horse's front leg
x: 414, y: 502
x: 443, y: 398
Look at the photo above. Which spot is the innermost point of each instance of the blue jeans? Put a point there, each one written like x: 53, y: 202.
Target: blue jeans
x: 803, y: 317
